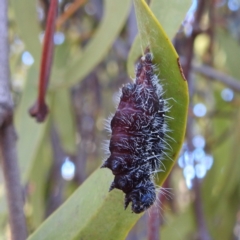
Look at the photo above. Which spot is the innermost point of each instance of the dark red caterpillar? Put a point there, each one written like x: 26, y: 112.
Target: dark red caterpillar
x: 137, y: 144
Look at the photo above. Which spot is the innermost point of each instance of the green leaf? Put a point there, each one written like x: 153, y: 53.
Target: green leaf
x: 92, y: 212
x: 226, y: 155
x: 30, y: 133
x: 170, y: 14
x: 28, y: 26
x: 229, y: 51
x: 62, y: 55
x: 179, y: 225
x: 38, y: 183
x: 170, y: 74
x: 63, y: 119
x: 220, y: 190
x: 114, y: 18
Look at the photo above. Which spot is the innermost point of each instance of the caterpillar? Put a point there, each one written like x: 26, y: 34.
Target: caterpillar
x: 137, y: 143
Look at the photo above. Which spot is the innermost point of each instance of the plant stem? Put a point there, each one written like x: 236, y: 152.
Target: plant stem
x: 218, y: 76
x: 12, y: 182
x: 40, y: 110
x: 154, y: 221
x: 198, y: 205
x: 198, y: 208
x: 8, y: 138
x: 69, y: 12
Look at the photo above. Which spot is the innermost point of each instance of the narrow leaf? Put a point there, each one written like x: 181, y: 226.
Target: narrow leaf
x: 114, y: 17
x: 170, y: 14
x: 30, y: 133
x: 63, y: 119
x: 38, y: 182
x: 28, y: 26
x: 90, y: 213
x: 171, y: 77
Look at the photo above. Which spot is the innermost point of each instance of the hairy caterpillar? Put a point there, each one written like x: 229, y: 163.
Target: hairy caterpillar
x: 137, y: 142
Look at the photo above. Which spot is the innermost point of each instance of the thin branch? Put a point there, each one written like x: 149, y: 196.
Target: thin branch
x: 12, y: 182
x: 211, y: 31
x: 198, y: 207
x: 69, y: 12
x: 190, y: 41
x: 40, y: 109
x: 154, y: 220
x: 218, y: 76
x: 8, y: 138
x: 201, y: 224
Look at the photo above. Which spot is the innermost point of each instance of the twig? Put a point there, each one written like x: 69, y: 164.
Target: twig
x: 12, y: 182
x: 219, y: 76
x: 211, y: 31
x: 40, y: 110
x: 201, y: 225
x: 190, y: 41
x: 85, y: 130
x: 69, y: 12
x: 8, y: 138
x: 202, y: 228
x: 56, y: 182
x: 154, y: 221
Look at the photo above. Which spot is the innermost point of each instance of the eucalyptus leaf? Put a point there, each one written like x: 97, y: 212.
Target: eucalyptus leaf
x: 38, y: 183
x: 115, y: 15
x: 226, y: 155
x: 178, y: 226
x: 170, y: 14
x: 230, y: 51
x: 63, y: 118
x: 28, y: 26
x: 30, y: 133
x: 170, y: 73
x: 90, y: 213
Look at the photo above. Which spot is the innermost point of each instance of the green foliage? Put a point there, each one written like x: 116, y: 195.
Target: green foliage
x: 114, y: 18
x: 28, y: 144
x: 166, y: 59
x: 38, y: 183
x: 91, y: 212
x: 164, y: 11
x: 221, y: 186
x: 179, y: 227
x: 28, y: 27
x: 91, y: 206
x: 63, y: 118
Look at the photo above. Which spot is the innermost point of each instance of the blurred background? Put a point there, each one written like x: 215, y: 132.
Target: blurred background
x: 55, y: 157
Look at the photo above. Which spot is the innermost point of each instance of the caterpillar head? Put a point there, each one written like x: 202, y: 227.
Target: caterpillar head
x: 142, y: 197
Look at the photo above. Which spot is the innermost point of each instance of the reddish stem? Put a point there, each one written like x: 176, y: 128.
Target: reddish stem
x: 69, y: 11
x: 39, y: 110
